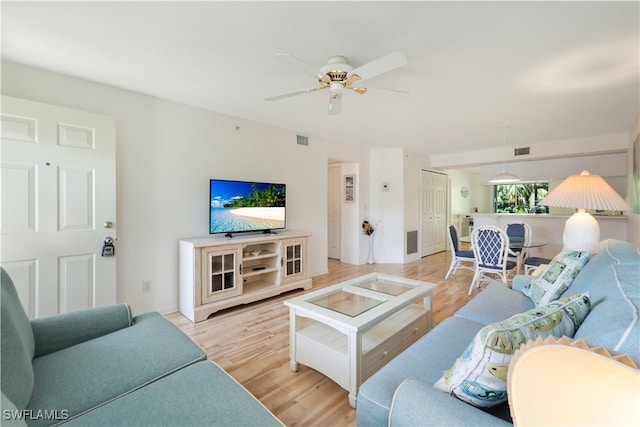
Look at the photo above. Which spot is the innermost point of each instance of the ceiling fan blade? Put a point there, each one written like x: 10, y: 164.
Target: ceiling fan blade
x: 378, y: 66
x: 294, y: 93
x: 384, y: 93
x: 297, y: 63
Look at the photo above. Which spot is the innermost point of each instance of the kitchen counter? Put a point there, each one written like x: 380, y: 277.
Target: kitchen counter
x: 551, y: 227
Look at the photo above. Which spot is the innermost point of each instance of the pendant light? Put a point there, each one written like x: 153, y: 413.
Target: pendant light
x: 504, y: 177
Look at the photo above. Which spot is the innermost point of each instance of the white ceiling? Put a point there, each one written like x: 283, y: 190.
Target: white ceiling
x: 551, y: 70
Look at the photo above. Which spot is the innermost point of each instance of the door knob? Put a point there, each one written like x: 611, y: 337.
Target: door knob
x: 108, y: 224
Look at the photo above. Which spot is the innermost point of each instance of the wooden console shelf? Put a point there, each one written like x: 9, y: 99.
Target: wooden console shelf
x: 221, y: 272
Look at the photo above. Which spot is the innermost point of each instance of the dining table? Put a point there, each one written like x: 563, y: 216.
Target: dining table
x: 518, y: 243
x: 533, y: 242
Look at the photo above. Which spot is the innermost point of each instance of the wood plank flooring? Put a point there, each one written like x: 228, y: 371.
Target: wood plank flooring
x: 251, y: 342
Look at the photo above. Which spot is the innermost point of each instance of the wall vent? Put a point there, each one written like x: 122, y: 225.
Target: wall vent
x: 303, y: 140
x: 412, y: 242
x: 521, y: 151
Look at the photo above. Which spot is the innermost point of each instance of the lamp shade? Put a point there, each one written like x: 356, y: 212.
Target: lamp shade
x: 585, y: 191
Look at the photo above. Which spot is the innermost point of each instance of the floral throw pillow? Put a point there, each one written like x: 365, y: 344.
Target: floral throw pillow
x: 557, y: 277
x: 479, y: 375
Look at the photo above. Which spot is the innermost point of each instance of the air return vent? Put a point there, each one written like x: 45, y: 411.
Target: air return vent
x: 303, y: 140
x: 521, y: 151
x: 412, y: 242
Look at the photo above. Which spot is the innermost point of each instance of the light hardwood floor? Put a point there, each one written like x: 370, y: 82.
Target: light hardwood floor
x: 251, y: 342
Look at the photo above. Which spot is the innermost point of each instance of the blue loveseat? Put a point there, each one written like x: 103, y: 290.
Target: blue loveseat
x: 104, y: 367
x: 402, y: 392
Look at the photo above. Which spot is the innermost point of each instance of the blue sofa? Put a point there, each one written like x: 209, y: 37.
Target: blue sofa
x: 104, y: 367
x: 402, y: 392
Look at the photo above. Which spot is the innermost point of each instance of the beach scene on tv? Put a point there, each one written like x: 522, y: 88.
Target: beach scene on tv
x: 238, y: 206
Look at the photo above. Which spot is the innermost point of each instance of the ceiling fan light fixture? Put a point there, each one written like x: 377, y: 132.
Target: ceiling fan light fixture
x: 335, y: 98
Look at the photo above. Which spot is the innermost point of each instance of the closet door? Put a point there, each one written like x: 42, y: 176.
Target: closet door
x: 434, y: 188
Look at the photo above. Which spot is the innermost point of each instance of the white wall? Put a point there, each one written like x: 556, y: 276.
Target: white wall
x: 459, y: 178
x: 396, y: 210
x: 595, y: 145
x: 166, y: 154
x: 387, y: 206
x: 602, y: 164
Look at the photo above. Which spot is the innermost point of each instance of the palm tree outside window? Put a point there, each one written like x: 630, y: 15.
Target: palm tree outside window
x: 520, y: 197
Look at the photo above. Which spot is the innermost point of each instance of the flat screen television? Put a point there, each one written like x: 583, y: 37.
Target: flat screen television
x: 246, y: 206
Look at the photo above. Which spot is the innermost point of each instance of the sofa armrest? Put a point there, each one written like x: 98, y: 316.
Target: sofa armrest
x: 418, y: 404
x: 520, y: 281
x: 60, y: 331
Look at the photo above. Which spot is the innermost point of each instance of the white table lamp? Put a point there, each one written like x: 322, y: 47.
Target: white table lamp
x: 584, y: 191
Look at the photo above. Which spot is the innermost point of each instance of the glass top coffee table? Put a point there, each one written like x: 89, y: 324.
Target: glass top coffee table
x: 350, y: 330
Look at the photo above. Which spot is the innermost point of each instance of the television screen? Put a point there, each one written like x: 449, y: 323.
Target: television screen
x: 242, y: 206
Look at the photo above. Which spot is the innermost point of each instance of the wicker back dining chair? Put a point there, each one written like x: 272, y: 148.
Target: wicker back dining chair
x: 491, y: 251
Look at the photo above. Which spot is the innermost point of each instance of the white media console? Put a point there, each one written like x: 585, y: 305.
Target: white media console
x: 221, y: 272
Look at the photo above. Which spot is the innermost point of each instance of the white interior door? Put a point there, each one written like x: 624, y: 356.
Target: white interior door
x: 334, y: 204
x: 58, y: 205
x: 433, y: 212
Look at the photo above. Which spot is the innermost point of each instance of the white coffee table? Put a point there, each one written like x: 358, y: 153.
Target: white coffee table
x: 350, y: 330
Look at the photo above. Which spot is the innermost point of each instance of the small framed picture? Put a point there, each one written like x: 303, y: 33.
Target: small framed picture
x: 349, y: 188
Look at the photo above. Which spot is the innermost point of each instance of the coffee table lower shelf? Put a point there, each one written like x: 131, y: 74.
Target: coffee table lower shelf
x: 327, y: 349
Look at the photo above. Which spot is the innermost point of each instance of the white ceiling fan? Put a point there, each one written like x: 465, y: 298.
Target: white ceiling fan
x: 338, y: 75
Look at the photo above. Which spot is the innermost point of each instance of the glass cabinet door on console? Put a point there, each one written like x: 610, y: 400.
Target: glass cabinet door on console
x: 221, y: 273
x: 294, y: 259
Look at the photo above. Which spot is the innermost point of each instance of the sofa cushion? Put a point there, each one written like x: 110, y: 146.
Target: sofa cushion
x: 612, y: 278
x: 17, y: 346
x: 557, y: 277
x: 416, y: 403
x: 198, y: 395
x: 496, y: 302
x: 63, y: 330
x: 479, y: 375
x: 424, y: 360
x: 86, y: 375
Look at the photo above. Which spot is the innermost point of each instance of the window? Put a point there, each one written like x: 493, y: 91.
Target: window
x: 520, y: 198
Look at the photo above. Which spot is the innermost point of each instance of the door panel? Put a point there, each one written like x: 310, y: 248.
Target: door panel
x: 75, y: 199
x: 77, y: 282
x: 434, y: 187
x: 19, y: 186
x: 58, y: 188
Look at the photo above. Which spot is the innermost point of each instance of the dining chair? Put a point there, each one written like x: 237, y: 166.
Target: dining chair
x: 491, y: 250
x: 459, y: 259
x: 518, y: 232
x: 533, y: 262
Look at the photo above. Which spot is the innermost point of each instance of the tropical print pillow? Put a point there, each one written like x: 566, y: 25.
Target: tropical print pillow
x: 557, y: 278
x: 479, y: 375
